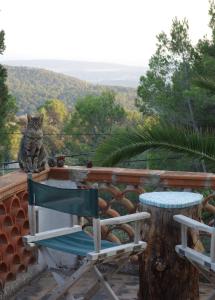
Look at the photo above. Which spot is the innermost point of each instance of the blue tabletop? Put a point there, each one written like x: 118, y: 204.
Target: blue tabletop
x: 171, y: 199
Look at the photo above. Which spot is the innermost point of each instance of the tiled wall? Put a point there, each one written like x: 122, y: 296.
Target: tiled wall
x: 13, y: 224
x: 14, y: 257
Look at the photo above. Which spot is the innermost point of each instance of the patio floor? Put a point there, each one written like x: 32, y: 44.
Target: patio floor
x: 125, y: 286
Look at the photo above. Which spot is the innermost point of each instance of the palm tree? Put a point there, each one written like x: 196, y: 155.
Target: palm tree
x: 126, y: 143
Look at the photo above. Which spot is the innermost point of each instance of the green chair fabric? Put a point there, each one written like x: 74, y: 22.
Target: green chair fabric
x: 78, y: 243
x: 80, y: 202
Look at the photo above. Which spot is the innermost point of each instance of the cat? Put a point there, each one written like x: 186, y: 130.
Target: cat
x: 32, y: 155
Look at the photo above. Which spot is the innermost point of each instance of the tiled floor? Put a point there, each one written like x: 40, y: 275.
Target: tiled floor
x: 126, y: 287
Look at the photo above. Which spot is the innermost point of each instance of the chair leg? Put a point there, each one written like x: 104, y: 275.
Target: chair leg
x: 52, y: 265
x: 96, y: 286
x: 61, y: 290
x: 206, y: 275
x: 212, y: 296
x: 69, y: 297
x: 203, y: 271
x: 105, y: 284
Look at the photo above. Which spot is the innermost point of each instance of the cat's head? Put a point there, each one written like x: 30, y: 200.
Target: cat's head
x: 35, y: 122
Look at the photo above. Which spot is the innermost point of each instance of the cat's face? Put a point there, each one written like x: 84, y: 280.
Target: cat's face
x: 35, y: 122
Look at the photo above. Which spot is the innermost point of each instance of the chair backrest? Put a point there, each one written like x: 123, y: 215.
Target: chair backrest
x: 80, y: 202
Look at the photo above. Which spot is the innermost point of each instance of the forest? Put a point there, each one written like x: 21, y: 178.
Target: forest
x: 167, y: 123
x: 32, y: 87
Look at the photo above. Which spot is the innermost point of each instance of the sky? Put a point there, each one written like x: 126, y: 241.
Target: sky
x: 116, y: 31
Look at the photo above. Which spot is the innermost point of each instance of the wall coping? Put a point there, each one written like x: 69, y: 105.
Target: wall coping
x: 136, y: 176
x: 15, y: 182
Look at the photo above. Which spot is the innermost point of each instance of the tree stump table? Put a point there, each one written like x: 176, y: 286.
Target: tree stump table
x: 164, y: 275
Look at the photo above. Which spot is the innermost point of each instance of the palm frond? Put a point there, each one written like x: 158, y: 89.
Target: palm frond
x: 127, y: 143
x: 205, y: 83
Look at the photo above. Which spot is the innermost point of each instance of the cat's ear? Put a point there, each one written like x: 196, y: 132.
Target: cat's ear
x: 28, y: 117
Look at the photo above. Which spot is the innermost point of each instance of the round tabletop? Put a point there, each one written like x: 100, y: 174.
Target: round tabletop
x: 171, y: 199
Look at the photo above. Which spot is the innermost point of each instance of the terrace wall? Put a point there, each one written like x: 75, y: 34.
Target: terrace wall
x: 119, y: 191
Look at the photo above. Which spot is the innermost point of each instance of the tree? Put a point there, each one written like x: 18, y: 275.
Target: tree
x: 172, y: 59
x: 179, y: 87
x: 126, y: 143
x: 135, y: 118
x: 168, y: 88
x: 55, y: 115
x: 7, y: 109
x: 205, y: 60
x: 93, y: 118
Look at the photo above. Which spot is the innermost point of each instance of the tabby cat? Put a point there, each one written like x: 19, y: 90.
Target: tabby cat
x: 32, y: 154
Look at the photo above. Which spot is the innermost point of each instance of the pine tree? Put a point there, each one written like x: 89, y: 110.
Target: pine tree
x: 7, y: 107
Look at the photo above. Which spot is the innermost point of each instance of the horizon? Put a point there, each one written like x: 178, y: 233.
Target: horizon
x: 119, y: 32
x: 70, y: 60
x: 91, y: 72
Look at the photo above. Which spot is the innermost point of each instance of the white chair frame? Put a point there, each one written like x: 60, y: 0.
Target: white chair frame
x: 204, y: 263
x: 117, y: 254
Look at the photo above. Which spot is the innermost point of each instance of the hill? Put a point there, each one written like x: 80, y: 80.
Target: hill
x: 94, y: 72
x: 32, y: 87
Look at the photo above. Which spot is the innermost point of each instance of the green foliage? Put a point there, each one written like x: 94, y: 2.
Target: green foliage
x: 134, y: 118
x: 13, y: 141
x: 92, y: 118
x: 54, y: 112
x: 126, y: 143
x: 7, y: 108
x: 55, y: 115
x: 165, y: 90
x: 32, y: 87
x: 204, y: 66
x: 179, y: 85
x: 212, y: 17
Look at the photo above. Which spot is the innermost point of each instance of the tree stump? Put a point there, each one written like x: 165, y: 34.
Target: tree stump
x: 164, y: 275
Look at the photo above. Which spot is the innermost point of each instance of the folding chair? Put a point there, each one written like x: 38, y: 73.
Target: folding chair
x: 82, y: 203
x: 203, y: 262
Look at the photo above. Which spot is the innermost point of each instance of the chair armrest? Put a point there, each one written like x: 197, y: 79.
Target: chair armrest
x: 50, y: 234
x: 124, y: 219
x: 188, y: 222
x: 117, y: 250
x: 193, y: 224
x: 97, y: 223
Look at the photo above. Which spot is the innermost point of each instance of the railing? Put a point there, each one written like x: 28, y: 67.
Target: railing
x: 119, y: 191
x: 125, y: 185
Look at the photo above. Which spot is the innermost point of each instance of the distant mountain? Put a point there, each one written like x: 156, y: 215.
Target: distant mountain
x: 32, y: 87
x: 94, y: 72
